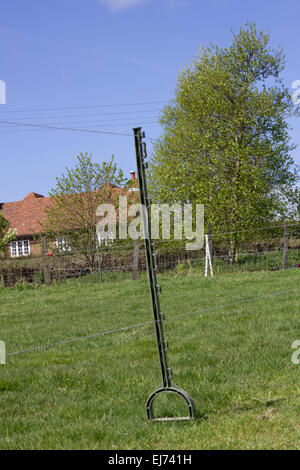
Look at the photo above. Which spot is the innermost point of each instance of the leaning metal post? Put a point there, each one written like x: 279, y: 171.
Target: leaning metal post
x: 155, y: 289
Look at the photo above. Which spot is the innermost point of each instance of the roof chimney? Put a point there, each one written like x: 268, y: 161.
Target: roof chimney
x: 132, y: 174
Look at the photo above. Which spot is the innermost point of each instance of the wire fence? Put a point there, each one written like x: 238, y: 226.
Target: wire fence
x: 46, y: 262
x: 149, y: 323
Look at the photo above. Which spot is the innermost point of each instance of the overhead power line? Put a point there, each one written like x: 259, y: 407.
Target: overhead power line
x: 99, y: 114
x: 84, y: 107
x: 105, y: 121
x: 42, y: 127
x: 128, y: 124
x: 76, y: 129
x: 73, y: 129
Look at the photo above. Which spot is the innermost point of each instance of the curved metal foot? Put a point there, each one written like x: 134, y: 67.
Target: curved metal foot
x: 172, y: 389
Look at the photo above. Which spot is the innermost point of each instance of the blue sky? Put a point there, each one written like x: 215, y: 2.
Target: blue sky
x: 66, y: 62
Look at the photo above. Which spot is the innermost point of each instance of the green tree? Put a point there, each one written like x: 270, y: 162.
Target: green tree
x: 225, y: 141
x: 74, y: 201
x: 6, y: 234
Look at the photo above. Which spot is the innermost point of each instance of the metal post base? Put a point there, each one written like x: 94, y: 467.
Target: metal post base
x: 172, y: 389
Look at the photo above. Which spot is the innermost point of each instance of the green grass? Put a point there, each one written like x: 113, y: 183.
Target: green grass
x: 234, y: 361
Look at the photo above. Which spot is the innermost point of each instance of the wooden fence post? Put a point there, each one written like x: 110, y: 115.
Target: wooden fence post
x: 135, y: 264
x: 285, y: 244
x: 45, y: 263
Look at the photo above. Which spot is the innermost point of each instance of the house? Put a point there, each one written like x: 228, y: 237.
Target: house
x: 26, y: 216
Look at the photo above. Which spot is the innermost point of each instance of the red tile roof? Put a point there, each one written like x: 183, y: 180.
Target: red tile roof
x: 27, y: 215
x: 24, y: 216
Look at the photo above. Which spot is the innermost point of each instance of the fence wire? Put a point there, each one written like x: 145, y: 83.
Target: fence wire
x: 149, y: 323
x: 270, y: 249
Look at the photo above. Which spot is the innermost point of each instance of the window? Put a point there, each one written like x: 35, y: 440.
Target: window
x: 63, y: 244
x: 20, y: 248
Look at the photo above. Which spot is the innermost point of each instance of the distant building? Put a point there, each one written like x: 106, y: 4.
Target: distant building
x: 26, y: 216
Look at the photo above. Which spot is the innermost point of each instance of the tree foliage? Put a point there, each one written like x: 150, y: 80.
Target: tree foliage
x: 6, y: 234
x: 225, y: 141
x: 75, y: 199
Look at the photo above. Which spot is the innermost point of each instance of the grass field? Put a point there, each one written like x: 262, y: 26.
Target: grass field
x: 234, y: 361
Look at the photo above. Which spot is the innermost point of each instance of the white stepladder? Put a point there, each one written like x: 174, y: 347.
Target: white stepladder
x: 208, y: 263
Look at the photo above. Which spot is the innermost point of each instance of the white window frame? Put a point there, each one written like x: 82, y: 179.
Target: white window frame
x: 63, y: 244
x: 20, y: 248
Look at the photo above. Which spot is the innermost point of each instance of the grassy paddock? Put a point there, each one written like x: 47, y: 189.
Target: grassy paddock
x: 235, y: 362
